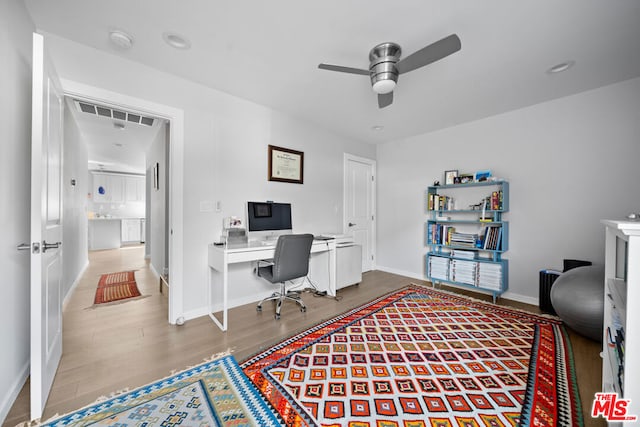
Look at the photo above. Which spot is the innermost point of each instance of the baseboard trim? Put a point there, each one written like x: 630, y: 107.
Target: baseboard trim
x: 237, y: 302
x: 9, y: 399
x: 507, y: 295
x: 401, y: 272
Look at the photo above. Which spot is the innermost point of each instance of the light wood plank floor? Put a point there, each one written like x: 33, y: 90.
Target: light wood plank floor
x: 111, y: 348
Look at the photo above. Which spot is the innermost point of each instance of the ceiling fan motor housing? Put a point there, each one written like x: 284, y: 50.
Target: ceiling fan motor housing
x: 383, y: 70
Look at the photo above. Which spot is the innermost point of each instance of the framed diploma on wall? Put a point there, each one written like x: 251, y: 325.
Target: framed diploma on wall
x: 286, y: 165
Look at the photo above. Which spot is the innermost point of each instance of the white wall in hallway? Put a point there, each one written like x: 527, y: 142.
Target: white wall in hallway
x: 74, y: 247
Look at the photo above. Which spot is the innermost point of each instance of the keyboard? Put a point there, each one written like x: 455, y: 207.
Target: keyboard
x: 323, y: 237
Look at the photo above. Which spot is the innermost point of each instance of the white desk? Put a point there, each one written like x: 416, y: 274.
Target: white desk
x: 220, y: 257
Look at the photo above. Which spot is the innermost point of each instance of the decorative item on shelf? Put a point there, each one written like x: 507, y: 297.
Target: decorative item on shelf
x: 464, y: 179
x: 449, y: 177
x: 436, y: 183
x: 482, y: 175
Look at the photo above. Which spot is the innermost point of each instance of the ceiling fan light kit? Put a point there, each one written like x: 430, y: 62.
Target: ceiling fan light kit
x: 383, y: 70
x: 385, y: 64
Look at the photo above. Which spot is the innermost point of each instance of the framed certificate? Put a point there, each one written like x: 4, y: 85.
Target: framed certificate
x: 286, y: 165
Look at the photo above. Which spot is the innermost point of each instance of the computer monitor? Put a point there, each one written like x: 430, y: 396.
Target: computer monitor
x: 269, y: 217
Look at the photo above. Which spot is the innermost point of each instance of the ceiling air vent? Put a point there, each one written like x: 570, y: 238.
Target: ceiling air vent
x: 103, y: 111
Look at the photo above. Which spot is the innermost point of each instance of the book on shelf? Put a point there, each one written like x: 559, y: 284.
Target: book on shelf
x: 439, y: 234
x: 461, y: 253
x: 496, y: 200
x: 438, y: 267
x: 492, y: 237
x: 439, y: 202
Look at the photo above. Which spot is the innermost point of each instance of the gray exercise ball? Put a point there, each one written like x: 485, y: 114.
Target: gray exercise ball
x: 577, y: 296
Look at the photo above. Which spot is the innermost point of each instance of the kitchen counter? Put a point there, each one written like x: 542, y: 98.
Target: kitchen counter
x: 104, y: 233
x: 114, y: 232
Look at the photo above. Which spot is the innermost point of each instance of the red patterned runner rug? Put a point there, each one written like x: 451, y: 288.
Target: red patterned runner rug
x: 423, y: 357
x: 114, y: 287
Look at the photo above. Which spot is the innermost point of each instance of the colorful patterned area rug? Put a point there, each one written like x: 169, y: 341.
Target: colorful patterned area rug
x: 116, y: 287
x: 212, y: 394
x: 422, y: 357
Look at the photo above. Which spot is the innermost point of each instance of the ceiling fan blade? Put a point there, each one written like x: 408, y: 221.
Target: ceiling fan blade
x: 429, y: 54
x: 343, y: 69
x: 385, y: 99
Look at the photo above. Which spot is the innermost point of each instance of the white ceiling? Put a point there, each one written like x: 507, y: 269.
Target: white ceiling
x: 112, y: 148
x: 268, y: 52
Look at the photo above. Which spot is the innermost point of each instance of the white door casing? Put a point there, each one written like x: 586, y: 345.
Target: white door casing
x: 46, y: 227
x: 175, y: 116
x: 359, y: 205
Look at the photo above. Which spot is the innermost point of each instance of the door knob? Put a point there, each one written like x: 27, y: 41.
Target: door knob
x: 351, y: 224
x: 27, y: 246
x: 46, y: 245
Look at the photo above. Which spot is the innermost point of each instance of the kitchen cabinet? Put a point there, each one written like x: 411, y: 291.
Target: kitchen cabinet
x: 108, y: 188
x: 131, y: 230
x: 134, y: 188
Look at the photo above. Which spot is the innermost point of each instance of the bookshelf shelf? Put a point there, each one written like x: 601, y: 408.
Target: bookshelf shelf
x: 621, y: 340
x: 466, y: 235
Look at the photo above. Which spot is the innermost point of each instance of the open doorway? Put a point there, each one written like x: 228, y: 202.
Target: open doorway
x: 127, y: 176
x: 171, y: 169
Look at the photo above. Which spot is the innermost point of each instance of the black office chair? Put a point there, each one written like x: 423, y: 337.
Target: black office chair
x: 290, y: 261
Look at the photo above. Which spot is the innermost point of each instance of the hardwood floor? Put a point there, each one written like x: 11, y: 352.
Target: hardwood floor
x: 111, y: 348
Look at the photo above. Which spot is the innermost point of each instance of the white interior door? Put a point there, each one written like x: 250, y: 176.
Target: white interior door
x: 46, y: 228
x: 359, y: 205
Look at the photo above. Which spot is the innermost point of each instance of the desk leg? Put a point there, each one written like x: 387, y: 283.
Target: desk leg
x: 332, y: 272
x: 225, y: 280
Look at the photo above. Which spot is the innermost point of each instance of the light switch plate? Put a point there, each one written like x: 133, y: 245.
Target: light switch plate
x: 206, y: 206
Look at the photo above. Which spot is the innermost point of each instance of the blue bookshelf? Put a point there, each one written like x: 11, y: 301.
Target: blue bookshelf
x: 466, y: 236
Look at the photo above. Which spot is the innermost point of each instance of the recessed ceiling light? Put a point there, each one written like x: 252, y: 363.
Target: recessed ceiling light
x: 377, y: 128
x: 559, y: 68
x: 176, y: 40
x: 121, y: 39
x: 117, y: 144
x: 118, y: 125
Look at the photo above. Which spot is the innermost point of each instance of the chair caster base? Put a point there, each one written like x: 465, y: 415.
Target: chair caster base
x: 259, y: 308
x: 303, y: 309
x: 277, y: 316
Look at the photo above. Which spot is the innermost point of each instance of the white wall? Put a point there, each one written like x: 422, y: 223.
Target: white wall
x: 15, y: 109
x: 570, y: 162
x: 157, y: 201
x: 74, y: 247
x: 225, y: 155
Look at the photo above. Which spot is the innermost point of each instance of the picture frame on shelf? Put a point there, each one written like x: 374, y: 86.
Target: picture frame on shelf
x: 482, y: 175
x: 450, y: 176
x: 464, y: 179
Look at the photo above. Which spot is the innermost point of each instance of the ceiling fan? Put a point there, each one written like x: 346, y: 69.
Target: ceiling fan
x: 385, y: 64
